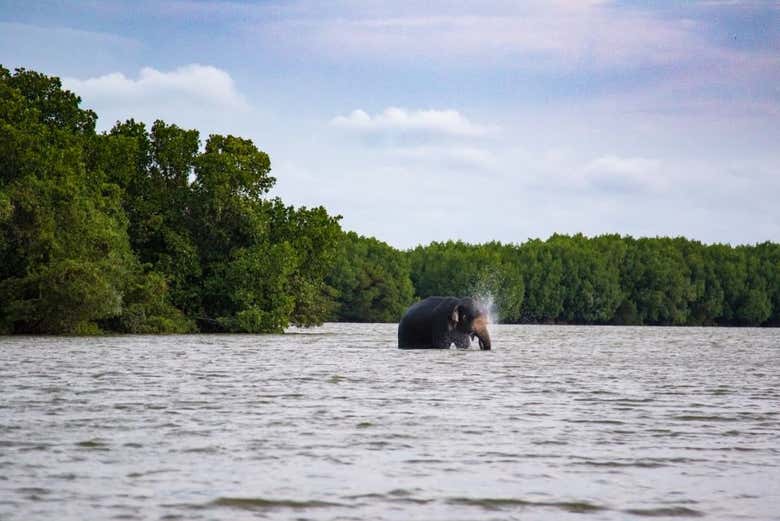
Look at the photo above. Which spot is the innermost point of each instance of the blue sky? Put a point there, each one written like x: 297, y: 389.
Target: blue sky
x: 490, y: 120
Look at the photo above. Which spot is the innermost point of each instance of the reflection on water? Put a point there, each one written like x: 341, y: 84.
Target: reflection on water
x: 336, y: 423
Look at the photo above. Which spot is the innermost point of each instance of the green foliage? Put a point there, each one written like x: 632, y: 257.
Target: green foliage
x: 657, y: 279
x: 65, y: 253
x: 147, y: 308
x: 139, y: 231
x: 154, y: 177
x: 768, y: 257
x: 371, y: 280
x: 231, y: 167
x: 609, y: 280
x: 54, y: 107
x: 590, y: 280
x: 543, y: 275
x: 313, y: 236
x: 250, y: 293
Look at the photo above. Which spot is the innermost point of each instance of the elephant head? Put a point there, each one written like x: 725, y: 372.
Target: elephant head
x: 471, y: 318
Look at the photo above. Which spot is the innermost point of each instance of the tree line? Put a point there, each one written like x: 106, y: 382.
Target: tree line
x: 609, y: 280
x: 152, y: 230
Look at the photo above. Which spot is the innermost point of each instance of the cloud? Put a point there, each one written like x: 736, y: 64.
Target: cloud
x: 429, y: 138
x: 624, y: 174
x: 537, y: 34
x: 201, y: 83
x: 399, y: 120
x: 194, y: 96
x: 456, y: 157
x: 635, y: 48
x: 746, y: 4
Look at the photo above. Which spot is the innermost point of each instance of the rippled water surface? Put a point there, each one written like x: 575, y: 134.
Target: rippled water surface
x: 336, y: 423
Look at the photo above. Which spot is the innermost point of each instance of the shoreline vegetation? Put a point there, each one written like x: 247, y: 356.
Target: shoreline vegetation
x: 153, y: 230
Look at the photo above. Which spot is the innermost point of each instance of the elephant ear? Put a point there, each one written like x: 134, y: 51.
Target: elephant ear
x: 454, y: 317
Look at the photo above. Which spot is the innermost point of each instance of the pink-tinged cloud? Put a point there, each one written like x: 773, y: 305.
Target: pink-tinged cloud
x: 533, y: 34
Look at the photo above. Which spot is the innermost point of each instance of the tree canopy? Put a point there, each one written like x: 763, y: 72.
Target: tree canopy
x: 140, y: 230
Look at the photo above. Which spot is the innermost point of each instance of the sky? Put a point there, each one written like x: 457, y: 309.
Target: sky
x: 479, y: 121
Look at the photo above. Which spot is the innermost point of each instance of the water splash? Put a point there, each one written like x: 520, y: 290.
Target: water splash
x: 487, y: 300
x: 484, y: 294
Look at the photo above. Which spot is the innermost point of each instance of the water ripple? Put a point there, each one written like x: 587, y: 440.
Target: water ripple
x: 336, y: 423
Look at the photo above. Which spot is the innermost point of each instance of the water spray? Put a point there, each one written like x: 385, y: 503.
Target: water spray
x: 487, y: 300
x: 483, y: 292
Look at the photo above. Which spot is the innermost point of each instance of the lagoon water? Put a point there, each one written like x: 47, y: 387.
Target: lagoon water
x: 336, y: 423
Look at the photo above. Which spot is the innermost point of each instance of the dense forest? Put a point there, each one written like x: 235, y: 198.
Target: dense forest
x: 152, y: 230
x: 145, y: 230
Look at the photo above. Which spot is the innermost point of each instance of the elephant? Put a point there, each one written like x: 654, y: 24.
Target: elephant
x: 438, y: 322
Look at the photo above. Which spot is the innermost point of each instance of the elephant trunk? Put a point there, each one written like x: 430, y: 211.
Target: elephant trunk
x: 481, y: 332
x: 484, y: 340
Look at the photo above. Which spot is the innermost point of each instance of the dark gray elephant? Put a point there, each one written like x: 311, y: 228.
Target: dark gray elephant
x: 438, y: 322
